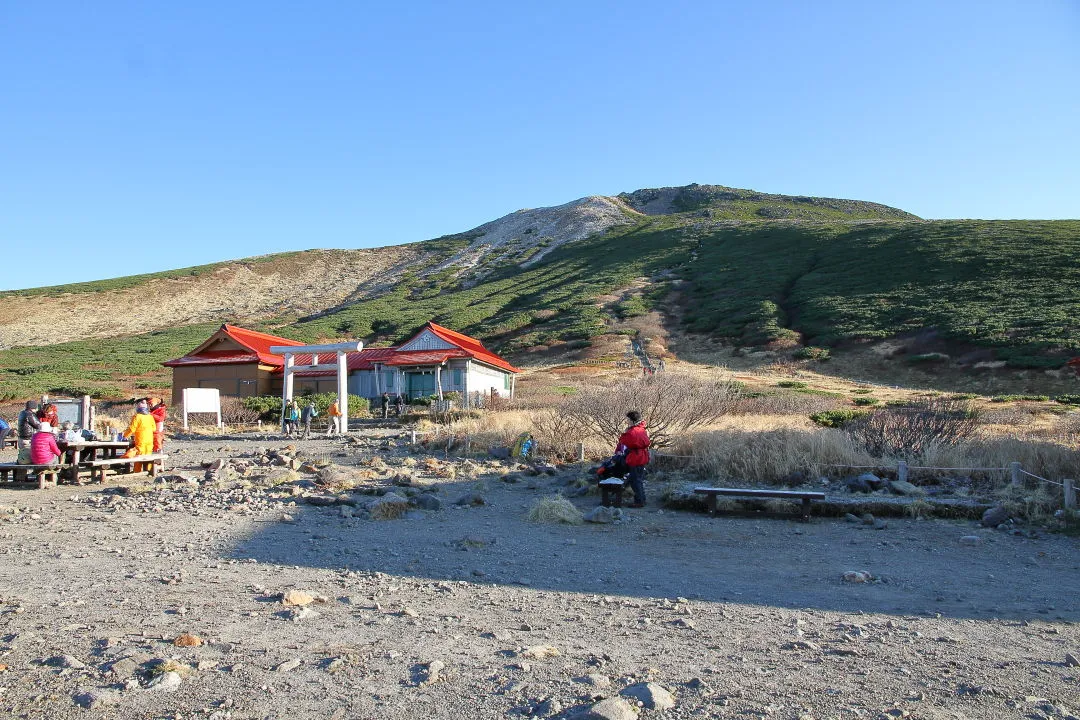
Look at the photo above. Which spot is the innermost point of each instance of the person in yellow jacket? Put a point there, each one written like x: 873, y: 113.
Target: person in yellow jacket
x: 141, y: 433
x: 335, y: 419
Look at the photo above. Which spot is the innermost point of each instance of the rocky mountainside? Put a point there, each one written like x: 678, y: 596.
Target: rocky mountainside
x: 748, y: 268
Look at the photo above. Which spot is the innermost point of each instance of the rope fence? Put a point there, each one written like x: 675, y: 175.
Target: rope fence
x: 1016, y: 472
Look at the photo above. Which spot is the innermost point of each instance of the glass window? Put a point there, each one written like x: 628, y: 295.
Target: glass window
x: 506, y: 381
x: 457, y: 378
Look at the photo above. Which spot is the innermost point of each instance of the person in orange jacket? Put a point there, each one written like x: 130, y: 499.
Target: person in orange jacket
x: 635, y: 443
x: 141, y: 434
x: 334, y: 412
x: 158, y: 411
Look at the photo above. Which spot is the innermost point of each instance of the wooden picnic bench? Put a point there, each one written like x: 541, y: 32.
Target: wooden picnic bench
x: 46, y: 474
x: 806, y: 496
x: 154, y: 461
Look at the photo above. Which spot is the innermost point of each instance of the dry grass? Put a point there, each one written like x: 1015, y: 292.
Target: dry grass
x: 554, y: 509
x: 384, y: 509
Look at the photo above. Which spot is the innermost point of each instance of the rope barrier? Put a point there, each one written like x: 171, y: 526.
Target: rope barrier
x: 1040, y: 477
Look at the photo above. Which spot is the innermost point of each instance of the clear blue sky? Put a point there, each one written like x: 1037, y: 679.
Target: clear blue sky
x: 139, y: 136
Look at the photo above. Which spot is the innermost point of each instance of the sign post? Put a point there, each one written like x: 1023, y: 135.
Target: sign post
x: 202, y: 400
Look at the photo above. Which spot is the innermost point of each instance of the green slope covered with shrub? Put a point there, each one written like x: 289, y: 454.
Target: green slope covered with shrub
x: 1010, y: 286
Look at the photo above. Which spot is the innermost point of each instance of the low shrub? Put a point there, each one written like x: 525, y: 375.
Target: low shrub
x: 1019, y: 398
x: 836, y: 418
x: 1068, y: 399
x: 866, y: 401
x: 795, y: 384
x: 909, y: 432
x: 812, y: 353
x: 928, y: 358
x: 862, y: 391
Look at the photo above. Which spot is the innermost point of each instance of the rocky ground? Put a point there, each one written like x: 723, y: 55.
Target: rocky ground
x: 359, y: 579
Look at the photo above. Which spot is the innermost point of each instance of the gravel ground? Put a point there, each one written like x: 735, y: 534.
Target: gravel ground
x: 253, y: 591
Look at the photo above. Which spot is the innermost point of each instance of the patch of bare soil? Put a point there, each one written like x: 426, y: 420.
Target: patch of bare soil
x: 302, y: 283
x: 259, y: 591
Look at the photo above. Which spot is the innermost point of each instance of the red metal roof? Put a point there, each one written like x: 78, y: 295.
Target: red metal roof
x: 423, y: 357
x: 363, y: 360
x: 214, y: 357
x: 258, y: 343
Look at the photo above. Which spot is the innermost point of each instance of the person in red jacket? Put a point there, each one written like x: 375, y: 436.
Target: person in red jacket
x: 158, y: 412
x: 635, y: 443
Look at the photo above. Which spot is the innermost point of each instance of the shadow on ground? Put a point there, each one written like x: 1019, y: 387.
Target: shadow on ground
x: 920, y: 567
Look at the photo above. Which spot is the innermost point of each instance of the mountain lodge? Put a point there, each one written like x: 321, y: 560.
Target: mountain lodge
x: 434, y: 361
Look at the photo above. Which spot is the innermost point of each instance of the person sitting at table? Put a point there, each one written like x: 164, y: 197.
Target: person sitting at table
x: 48, y: 414
x: 4, y: 430
x: 43, y: 448
x: 28, y: 424
x: 68, y: 434
x: 141, y: 434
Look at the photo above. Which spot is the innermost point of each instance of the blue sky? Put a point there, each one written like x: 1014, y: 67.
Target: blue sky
x: 148, y: 136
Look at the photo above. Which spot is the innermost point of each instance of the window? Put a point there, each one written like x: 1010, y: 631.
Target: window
x: 506, y: 381
x: 457, y: 378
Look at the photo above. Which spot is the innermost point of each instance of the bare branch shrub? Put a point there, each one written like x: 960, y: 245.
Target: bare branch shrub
x: 671, y: 405
x: 911, y: 430
x: 234, y: 412
x: 557, y: 433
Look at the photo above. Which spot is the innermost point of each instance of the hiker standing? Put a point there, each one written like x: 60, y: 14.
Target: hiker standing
x: 334, y: 426
x: 309, y: 413
x: 385, y: 405
x: 636, y: 443
x: 400, y: 403
x: 292, y: 418
x: 158, y: 412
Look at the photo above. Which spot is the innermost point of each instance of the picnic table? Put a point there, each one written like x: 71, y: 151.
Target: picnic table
x: 80, y: 454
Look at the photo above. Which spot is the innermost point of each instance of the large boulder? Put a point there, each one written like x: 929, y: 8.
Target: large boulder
x: 903, y: 487
x: 995, y: 516
x: 651, y: 695
x: 614, y: 708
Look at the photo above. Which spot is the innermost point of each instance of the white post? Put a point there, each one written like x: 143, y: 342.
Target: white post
x: 902, y: 471
x: 513, y: 384
x: 343, y: 390
x: 287, y: 386
x: 438, y: 381
x: 1014, y: 473
x: 581, y: 452
x: 1070, y: 494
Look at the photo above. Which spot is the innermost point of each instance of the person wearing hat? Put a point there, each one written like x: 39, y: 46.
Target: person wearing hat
x: 635, y: 444
x: 158, y: 412
x: 28, y: 424
x: 43, y: 447
x: 141, y: 431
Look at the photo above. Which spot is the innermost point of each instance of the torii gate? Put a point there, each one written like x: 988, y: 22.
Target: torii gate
x: 341, y: 366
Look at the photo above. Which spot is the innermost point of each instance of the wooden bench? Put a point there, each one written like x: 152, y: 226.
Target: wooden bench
x: 46, y: 474
x: 155, y: 461
x: 611, y: 489
x: 806, y: 496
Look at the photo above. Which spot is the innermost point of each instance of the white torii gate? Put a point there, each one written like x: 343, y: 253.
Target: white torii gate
x: 341, y: 366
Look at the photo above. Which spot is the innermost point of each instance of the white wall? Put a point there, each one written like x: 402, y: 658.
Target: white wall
x: 482, y: 378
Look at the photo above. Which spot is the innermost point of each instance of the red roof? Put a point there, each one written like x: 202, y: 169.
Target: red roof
x: 214, y: 357
x: 363, y: 360
x: 472, y: 346
x: 423, y: 357
x: 256, y: 342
